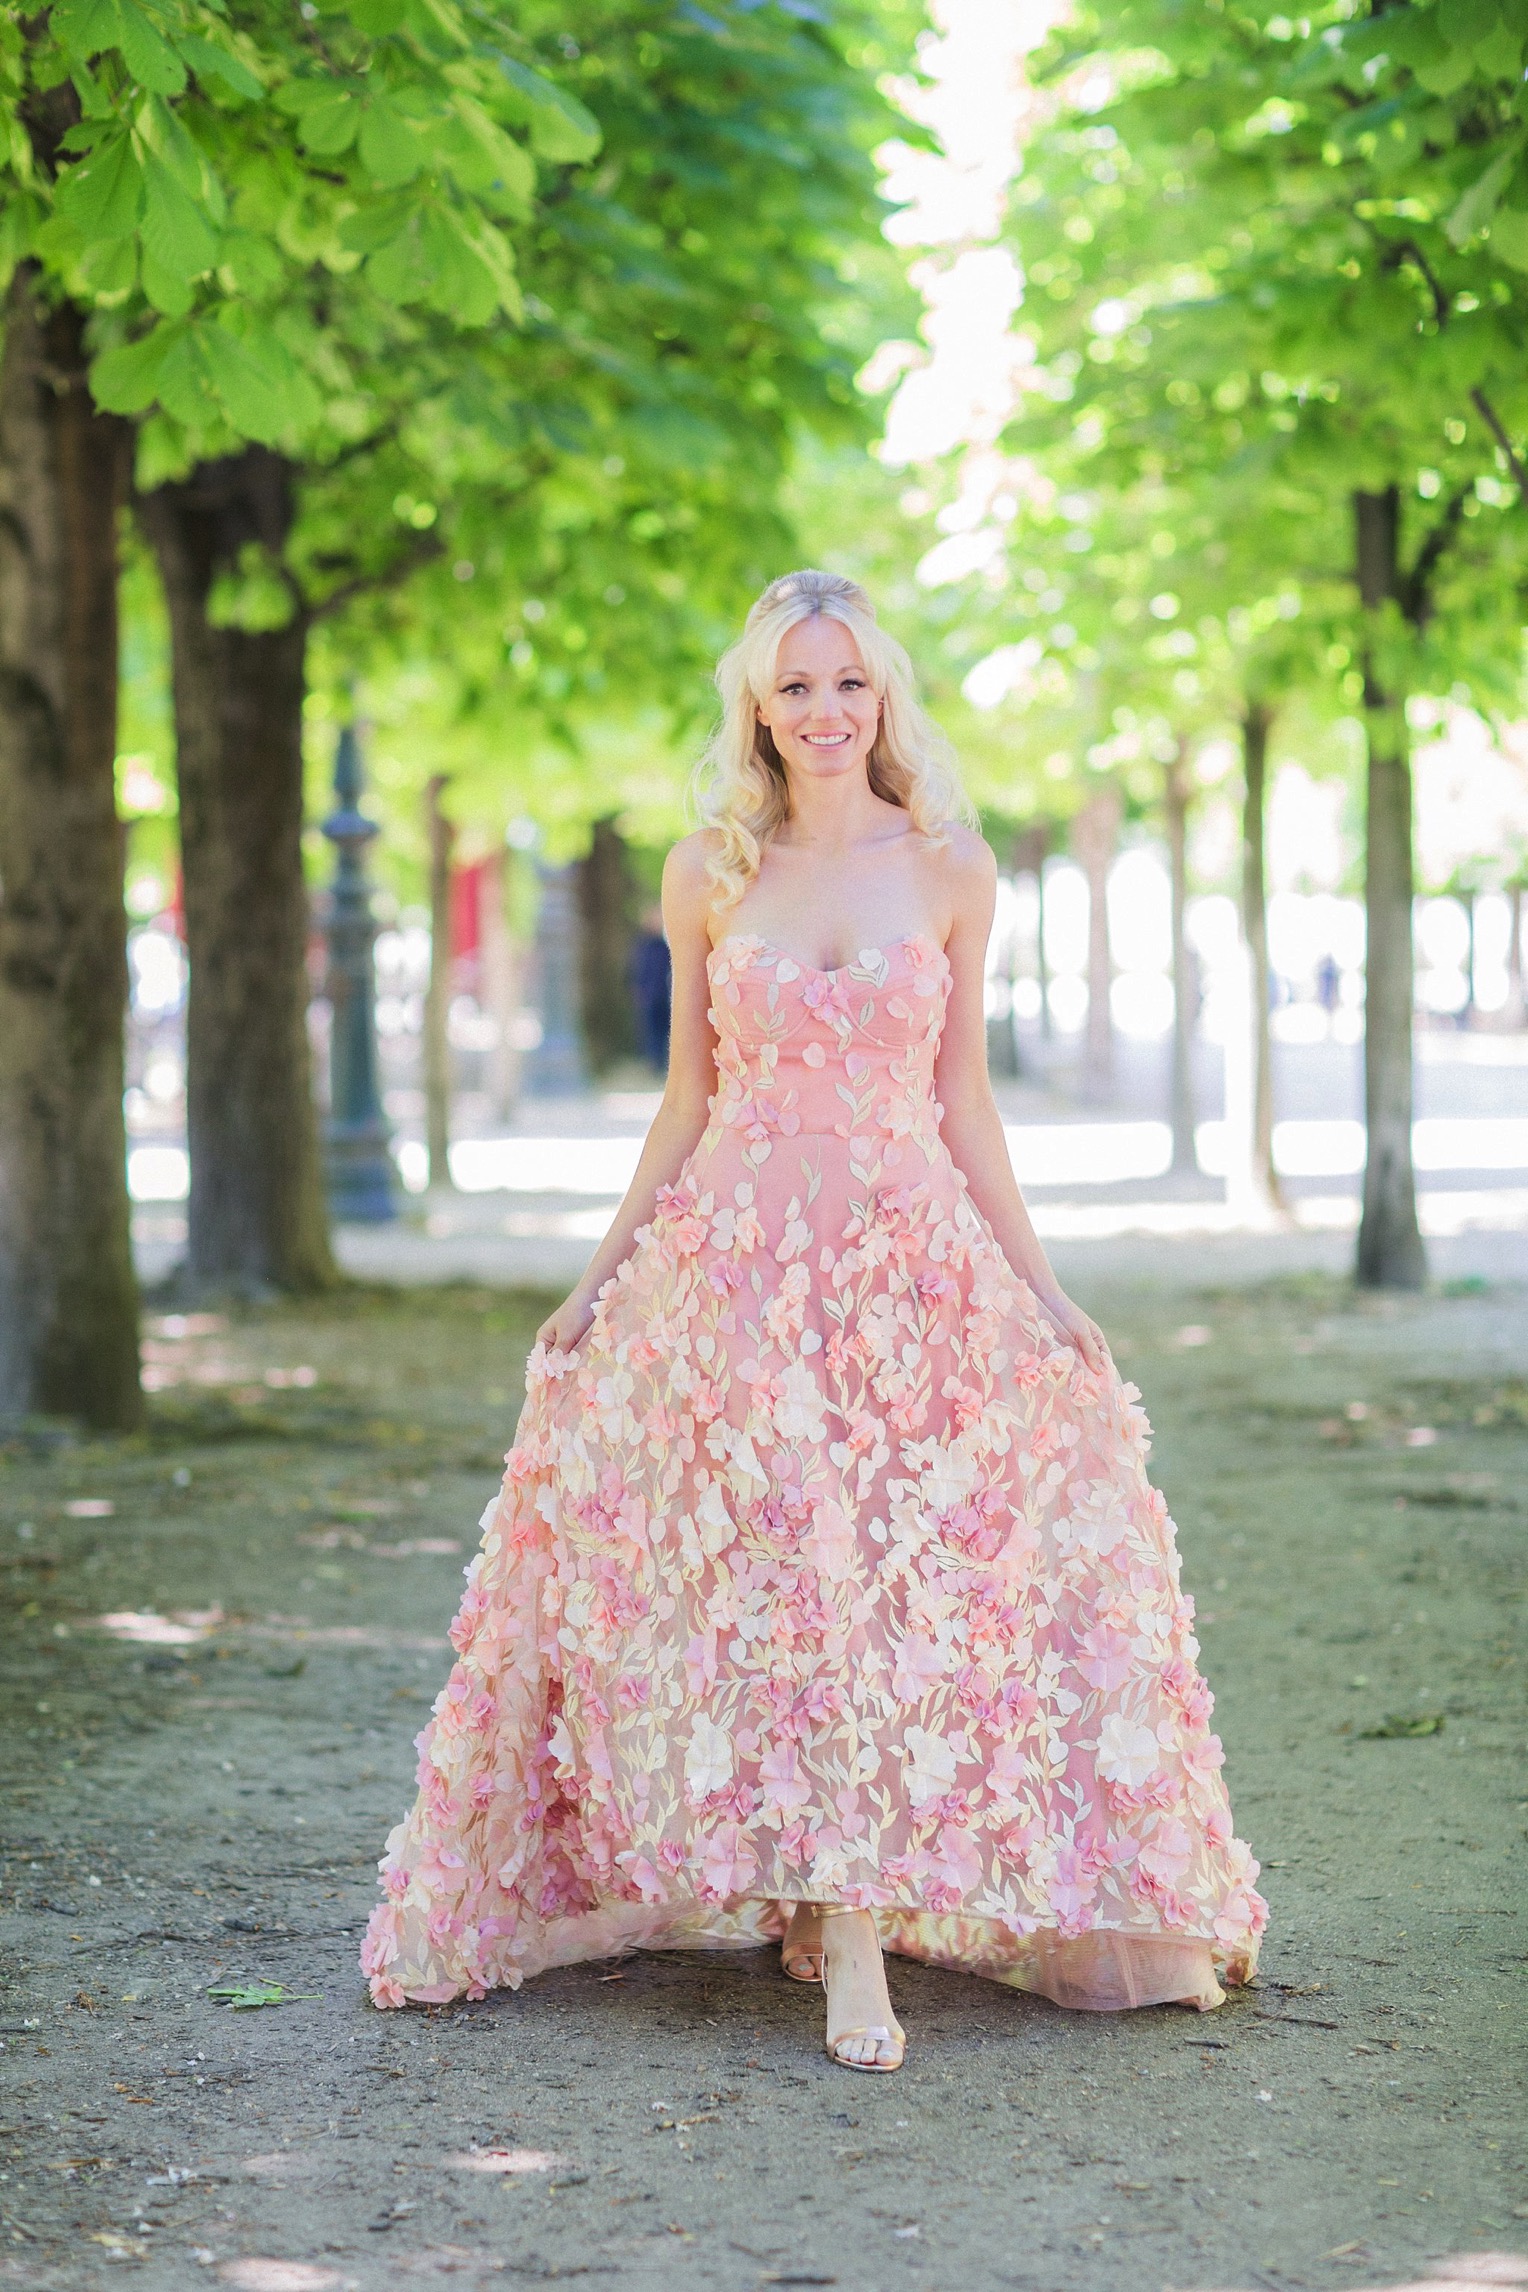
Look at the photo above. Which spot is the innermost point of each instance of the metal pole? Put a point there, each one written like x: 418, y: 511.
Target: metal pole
x: 358, y: 1169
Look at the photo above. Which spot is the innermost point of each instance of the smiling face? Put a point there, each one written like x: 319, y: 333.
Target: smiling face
x: 821, y: 707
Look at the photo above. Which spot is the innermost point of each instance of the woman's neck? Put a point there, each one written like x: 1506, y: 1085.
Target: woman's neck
x: 833, y: 815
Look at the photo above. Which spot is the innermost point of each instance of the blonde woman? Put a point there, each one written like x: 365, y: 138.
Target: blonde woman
x: 826, y: 1599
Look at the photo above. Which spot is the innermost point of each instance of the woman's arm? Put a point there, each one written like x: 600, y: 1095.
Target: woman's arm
x: 971, y: 1127
x: 681, y: 1119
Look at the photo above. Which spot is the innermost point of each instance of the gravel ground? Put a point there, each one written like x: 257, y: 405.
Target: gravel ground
x: 1350, y: 1487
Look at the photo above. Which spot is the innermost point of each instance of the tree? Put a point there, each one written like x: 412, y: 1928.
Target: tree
x: 641, y: 367
x: 1264, y: 244
x: 68, y: 1302
x: 307, y: 229
x: 108, y: 201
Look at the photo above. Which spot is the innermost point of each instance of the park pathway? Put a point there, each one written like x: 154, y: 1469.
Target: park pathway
x: 198, y: 1787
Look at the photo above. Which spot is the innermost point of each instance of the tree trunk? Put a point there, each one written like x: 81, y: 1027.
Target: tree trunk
x: 1030, y: 849
x: 1175, y: 795
x: 1390, y: 1253
x: 605, y: 901
x: 1095, y: 832
x: 1255, y: 725
x: 502, y: 964
x: 437, y: 1000
x: 68, y: 1299
x: 257, y: 1209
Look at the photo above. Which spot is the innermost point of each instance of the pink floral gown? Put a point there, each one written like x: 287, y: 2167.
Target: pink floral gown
x: 823, y: 1571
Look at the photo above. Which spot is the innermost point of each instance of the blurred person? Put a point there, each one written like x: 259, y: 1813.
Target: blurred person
x: 651, y: 974
x: 1329, y: 986
x: 826, y: 1599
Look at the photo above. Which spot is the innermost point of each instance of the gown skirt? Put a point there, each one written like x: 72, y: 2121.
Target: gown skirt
x: 823, y: 1571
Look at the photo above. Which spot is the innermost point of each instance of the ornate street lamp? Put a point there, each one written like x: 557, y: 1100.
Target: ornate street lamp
x: 358, y: 1169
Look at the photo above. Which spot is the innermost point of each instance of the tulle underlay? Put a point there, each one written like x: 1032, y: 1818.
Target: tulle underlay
x: 1103, y: 1971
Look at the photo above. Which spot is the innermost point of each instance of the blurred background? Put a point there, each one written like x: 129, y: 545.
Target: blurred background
x: 455, y: 384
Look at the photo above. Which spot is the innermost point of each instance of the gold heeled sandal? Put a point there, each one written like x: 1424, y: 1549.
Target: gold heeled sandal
x: 894, y: 2035
x: 794, y: 1954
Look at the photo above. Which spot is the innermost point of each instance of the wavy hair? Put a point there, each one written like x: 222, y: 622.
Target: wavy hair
x: 741, y: 788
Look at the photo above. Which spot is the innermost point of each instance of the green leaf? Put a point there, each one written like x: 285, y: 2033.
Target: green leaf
x: 169, y: 291
x: 477, y: 153
x: 1509, y: 237
x: 471, y: 272
x: 125, y: 380
x: 376, y: 224
x: 211, y: 62
x: 328, y: 114
x: 253, y: 382
x: 560, y: 127
x: 377, y: 18
x: 1463, y: 22
x: 175, y: 231
x: 1442, y: 74
x: 393, y: 147
x: 397, y: 271
x: 103, y: 196
x: 244, y: 1995
x: 1480, y: 202
x: 161, y: 131
x: 249, y: 263
x: 110, y: 268
x: 84, y: 27
x: 1401, y: 1726
x: 1500, y: 54
x: 185, y: 387
x: 147, y: 54
x: 19, y: 219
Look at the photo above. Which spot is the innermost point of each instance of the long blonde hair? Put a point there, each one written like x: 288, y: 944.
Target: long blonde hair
x: 741, y: 788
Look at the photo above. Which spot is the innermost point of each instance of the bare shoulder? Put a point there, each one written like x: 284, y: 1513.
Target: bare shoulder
x: 967, y: 868
x: 968, y: 853
x: 687, y: 887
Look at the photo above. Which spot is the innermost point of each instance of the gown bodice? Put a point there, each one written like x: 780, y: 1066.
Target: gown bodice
x: 803, y: 1052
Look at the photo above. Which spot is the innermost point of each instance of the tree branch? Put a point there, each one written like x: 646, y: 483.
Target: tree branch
x: 1494, y: 424
x: 428, y: 546
x: 1400, y: 250
x: 1415, y: 596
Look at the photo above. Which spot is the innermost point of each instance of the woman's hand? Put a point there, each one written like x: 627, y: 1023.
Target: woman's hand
x: 565, y: 1328
x: 1075, y: 1328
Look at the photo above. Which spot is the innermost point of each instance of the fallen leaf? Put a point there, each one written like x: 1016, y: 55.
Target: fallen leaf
x: 1397, y: 1726
x: 241, y: 1995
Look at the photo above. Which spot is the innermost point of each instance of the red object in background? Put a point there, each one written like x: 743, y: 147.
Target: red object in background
x: 467, y: 889
x: 473, y: 889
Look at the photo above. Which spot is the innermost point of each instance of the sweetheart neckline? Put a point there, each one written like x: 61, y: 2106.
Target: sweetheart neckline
x: 826, y: 970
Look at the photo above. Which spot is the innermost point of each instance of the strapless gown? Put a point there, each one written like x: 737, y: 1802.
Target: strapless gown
x: 822, y: 1570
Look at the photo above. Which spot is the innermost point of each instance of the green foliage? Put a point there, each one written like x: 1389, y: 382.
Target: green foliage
x: 175, y: 160
x: 1267, y: 263
x: 538, y: 304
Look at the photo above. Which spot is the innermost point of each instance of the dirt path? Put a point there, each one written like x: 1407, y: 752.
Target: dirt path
x: 1352, y: 1489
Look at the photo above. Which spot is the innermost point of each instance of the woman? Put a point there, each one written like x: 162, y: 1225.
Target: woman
x: 826, y: 1597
